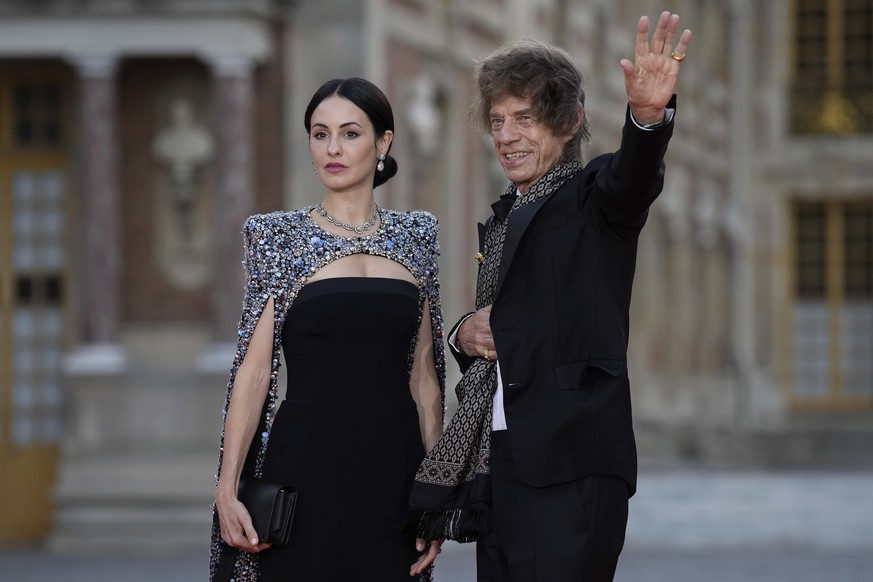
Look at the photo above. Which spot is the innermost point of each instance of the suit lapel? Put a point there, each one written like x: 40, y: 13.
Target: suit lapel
x: 482, y: 229
x: 519, y: 219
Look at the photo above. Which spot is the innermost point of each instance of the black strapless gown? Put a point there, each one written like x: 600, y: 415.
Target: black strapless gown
x: 347, y: 434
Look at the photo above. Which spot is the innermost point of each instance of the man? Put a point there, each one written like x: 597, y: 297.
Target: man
x: 541, y: 452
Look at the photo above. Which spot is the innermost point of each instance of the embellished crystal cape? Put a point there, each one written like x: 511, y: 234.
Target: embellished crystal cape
x: 282, y: 251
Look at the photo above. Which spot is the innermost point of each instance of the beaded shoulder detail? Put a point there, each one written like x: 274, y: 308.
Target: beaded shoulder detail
x: 282, y: 251
x: 291, y: 247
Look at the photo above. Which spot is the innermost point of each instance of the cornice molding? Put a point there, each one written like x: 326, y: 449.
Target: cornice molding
x: 111, y: 37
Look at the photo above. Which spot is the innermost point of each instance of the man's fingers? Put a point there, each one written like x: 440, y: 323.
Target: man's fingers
x: 659, y: 37
x: 641, y: 47
x: 672, y: 27
x: 684, y: 41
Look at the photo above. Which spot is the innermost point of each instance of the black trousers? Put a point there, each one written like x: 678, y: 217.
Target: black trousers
x: 569, y: 532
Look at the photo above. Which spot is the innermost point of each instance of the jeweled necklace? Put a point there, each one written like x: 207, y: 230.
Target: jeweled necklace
x: 357, y: 229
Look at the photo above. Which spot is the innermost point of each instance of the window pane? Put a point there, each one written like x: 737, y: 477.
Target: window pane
x: 858, y: 243
x: 52, y: 257
x: 24, y: 291
x: 38, y: 114
x: 24, y: 223
x: 53, y: 290
x: 23, y: 397
x: 857, y: 350
x: 811, y: 43
x: 24, y: 188
x: 37, y: 222
x: 23, y: 324
x: 23, y: 430
x: 811, y: 369
x: 23, y: 361
x: 24, y: 259
x: 52, y: 128
x: 51, y: 428
x: 811, y: 251
x: 859, y: 42
x: 833, y: 77
x: 52, y: 320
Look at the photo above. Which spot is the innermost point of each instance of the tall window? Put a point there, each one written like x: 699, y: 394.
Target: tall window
x: 35, y: 303
x: 33, y: 259
x: 833, y: 304
x: 833, y: 67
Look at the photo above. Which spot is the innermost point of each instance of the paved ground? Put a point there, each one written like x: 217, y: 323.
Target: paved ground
x: 457, y: 565
x: 688, y: 526
x: 768, y: 564
x: 719, y: 509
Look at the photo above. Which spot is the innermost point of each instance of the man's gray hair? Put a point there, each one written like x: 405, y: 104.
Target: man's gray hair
x: 542, y: 73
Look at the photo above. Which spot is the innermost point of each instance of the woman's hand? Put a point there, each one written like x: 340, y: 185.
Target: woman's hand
x: 427, y: 558
x: 651, y: 79
x: 237, y: 530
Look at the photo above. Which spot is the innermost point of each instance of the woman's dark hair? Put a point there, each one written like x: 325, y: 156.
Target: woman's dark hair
x: 538, y: 71
x: 369, y: 99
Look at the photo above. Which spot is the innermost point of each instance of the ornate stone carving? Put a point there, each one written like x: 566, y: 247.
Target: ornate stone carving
x: 184, y: 198
x: 183, y: 148
x: 424, y: 116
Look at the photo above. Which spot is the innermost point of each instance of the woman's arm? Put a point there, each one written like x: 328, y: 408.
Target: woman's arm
x: 424, y: 384
x: 243, y: 413
x: 425, y: 387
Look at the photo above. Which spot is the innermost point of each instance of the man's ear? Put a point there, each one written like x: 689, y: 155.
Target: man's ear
x: 580, y: 118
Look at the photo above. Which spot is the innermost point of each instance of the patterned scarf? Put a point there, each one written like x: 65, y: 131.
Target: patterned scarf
x: 452, y: 486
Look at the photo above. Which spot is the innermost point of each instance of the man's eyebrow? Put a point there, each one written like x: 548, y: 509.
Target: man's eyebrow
x: 516, y: 113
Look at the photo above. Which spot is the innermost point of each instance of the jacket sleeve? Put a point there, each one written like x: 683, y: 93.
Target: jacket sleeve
x: 631, y: 180
x: 464, y: 361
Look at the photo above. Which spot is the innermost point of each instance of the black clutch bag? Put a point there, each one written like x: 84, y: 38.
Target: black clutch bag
x: 271, y: 506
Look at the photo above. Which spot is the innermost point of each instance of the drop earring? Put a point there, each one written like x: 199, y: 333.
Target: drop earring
x: 380, y: 165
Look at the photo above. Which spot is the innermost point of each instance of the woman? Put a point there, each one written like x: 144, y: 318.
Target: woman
x: 349, y: 292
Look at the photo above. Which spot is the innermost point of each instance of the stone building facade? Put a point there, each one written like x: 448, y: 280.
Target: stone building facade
x: 136, y: 136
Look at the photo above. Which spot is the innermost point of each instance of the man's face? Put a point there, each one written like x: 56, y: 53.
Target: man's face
x: 526, y: 148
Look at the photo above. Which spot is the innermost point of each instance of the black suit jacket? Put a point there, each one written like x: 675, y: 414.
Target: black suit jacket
x: 560, y: 315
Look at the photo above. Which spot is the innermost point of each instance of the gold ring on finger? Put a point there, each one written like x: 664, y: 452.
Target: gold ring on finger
x: 677, y: 58
x: 485, y: 355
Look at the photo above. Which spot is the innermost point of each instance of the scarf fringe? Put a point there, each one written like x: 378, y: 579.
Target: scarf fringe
x: 463, y: 525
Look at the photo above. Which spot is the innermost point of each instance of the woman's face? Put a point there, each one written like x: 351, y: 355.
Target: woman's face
x: 344, y: 146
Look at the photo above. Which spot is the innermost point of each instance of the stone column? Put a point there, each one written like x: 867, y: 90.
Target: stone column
x: 99, y: 147
x: 96, y: 370
x: 100, y: 256
x: 235, y: 184
x: 752, y: 399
